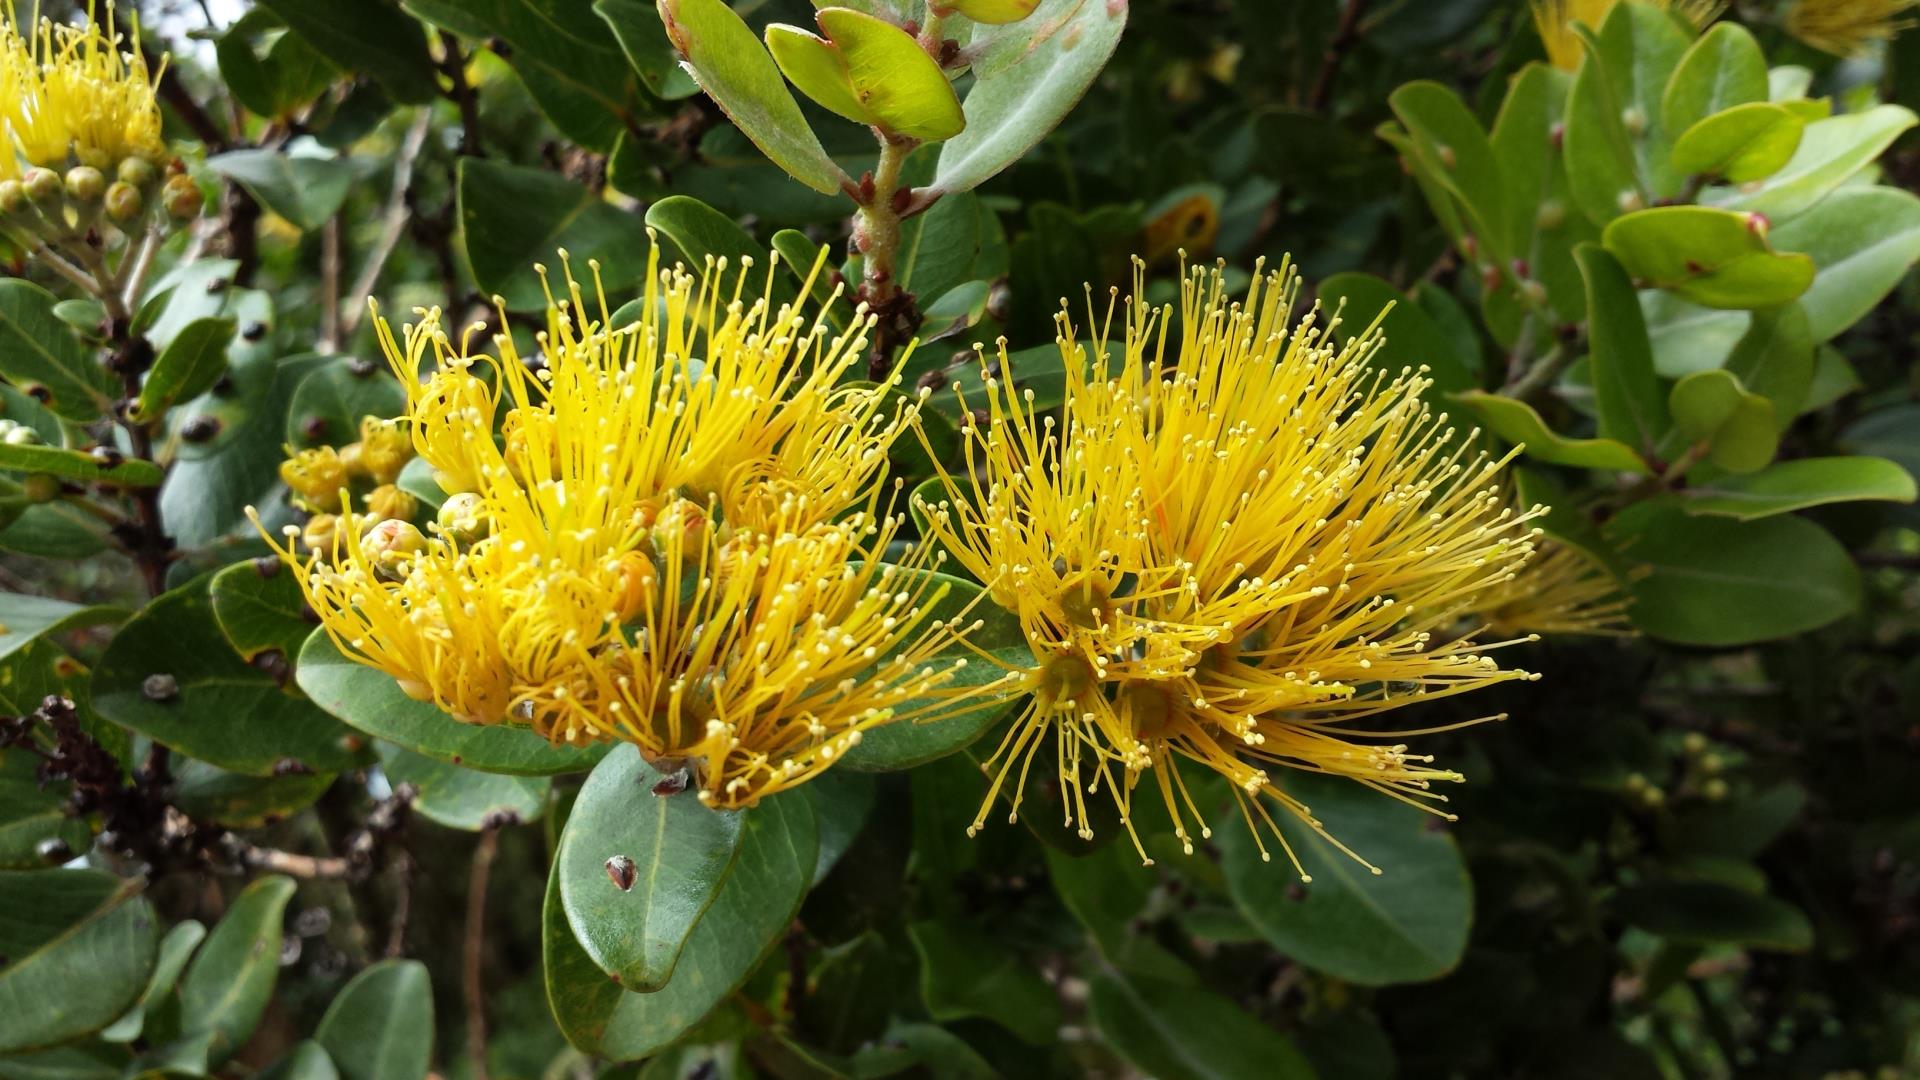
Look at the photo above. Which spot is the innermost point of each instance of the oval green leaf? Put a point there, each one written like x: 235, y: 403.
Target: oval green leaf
x: 899, y: 85
x: 227, y: 988
x: 1517, y: 423
x: 1787, y: 486
x: 380, y: 1025
x: 1718, y: 258
x: 79, y: 946
x: 1742, y: 144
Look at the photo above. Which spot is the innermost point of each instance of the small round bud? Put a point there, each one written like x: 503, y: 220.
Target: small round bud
x: 137, y: 171
x: 385, y: 448
x: 123, y: 202
x: 1694, y: 743
x: 681, y: 523
x: 390, y: 503
x: 85, y: 183
x: 1534, y: 292
x: 40, y: 488
x: 1636, y: 782
x: 391, y: 547
x: 315, y: 476
x: 1714, y: 789
x: 355, y: 461
x: 1630, y: 200
x: 13, y: 197
x: 1448, y: 159
x: 320, y: 532
x: 464, y: 519
x: 21, y: 435
x: 42, y: 185
x: 1551, y: 215
x: 635, y: 588
x: 182, y: 196
x: 1634, y: 119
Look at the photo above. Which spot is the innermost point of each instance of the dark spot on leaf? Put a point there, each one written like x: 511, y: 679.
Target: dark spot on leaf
x: 39, y: 393
x: 287, y: 766
x: 160, y: 687
x: 218, y: 284
x: 361, y: 367
x: 1296, y: 892
x: 266, y: 566
x: 254, y: 331
x: 53, y: 850
x: 620, y: 871
x: 200, y: 429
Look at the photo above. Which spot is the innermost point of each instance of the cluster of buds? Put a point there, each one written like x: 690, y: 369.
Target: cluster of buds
x: 44, y: 206
x: 365, y: 471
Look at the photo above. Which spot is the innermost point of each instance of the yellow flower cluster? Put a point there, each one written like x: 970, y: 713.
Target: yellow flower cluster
x: 1237, y: 543
x: 321, y: 478
x: 76, y: 91
x: 1848, y: 27
x: 666, y: 530
x: 1554, y: 20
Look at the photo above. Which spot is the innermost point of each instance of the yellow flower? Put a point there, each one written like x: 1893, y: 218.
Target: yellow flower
x: 78, y: 90
x: 1554, y: 20
x: 1236, y: 543
x: 1563, y: 591
x: 675, y: 541
x: 1848, y: 27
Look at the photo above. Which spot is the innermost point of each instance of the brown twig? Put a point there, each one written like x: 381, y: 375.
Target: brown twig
x: 1338, y: 46
x: 471, y: 982
x: 393, y: 223
x: 330, y: 268
x: 460, y: 92
x: 305, y: 867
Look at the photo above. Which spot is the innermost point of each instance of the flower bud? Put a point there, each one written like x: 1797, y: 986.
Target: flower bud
x: 40, y: 488
x: 20, y: 435
x: 682, y: 523
x: 1551, y: 215
x: 464, y: 519
x: 13, y: 197
x: 390, y: 547
x: 385, y: 448
x: 182, y: 196
x: 391, y: 504
x: 85, y: 183
x: 1714, y: 789
x: 316, y: 477
x: 1630, y: 200
x: 137, y: 171
x: 1634, y: 119
x: 123, y: 202
x: 634, y: 590
x: 320, y: 533
x: 355, y: 464
x: 42, y: 185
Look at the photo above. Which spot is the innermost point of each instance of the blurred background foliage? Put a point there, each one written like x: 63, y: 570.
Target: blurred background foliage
x: 1692, y: 852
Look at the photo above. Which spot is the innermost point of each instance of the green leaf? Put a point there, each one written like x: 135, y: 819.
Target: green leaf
x: 513, y: 218
x: 957, y: 241
x: 896, y: 82
x: 575, y: 71
x: 307, y: 189
x: 26, y: 412
x: 1890, y: 432
x: 1107, y: 890
x: 1723, y: 69
x: 176, y: 948
x: 1863, y: 240
x: 205, y: 701
x: 1687, y: 337
x: 1831, y: 151
x: 227, y: 988
x: 1738, y: 427
x: 1787, y: 486
x: 380, y: 1025
x: 680, y: 854
x: 210, y: 794
x: 1453, y: 150
x: 1710, y: 913
x: 79, y: 945
x: 39, y: 354
x: 416, y: 479
x: 269, y: 69
x: 817, y: 68
x: 369, y: 36
x: 1517, y: 423
x: 1719, y: 258
x: 25, y: 618
x: 78, y: 465
x: 700, y: 233
x: 1541, y: 215
x: 307, y: 1061
x: 965, y: 971
x: 1718, y: 582
x: 260, y: 607
x: 1743, y: 144
x: 463, y: 798
x: 1775, y: 359
x: 1176, y: 1031
x: 907, y: 743
x: 1633, y: 407
x: 1406, y: 924
x: 370, y: 700
x: 1018, y: 98
x: 798, y: 254
x: 636, y: 25
x: 188, y: 367
x: 842, y: 799
x: 1614, y: 165
x: 331, y: 400
x: 33, y: 813
x: 735, y: 70
x: 778, y: 851
x: 1413, y: 339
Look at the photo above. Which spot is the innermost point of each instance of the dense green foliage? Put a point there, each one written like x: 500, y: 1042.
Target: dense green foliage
x: 1674, y: 271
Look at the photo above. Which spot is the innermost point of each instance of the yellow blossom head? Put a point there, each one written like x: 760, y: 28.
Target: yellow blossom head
x: 1564, y: 590
x: 78, y: 94
x: 1848, y: 27
x: 667, y: 531
x: 1238, y: 544
x: 1554, y: 20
